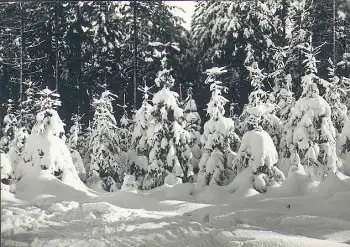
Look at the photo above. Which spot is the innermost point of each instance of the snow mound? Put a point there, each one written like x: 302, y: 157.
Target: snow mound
x: 171, y: 179
x: 45, y: 185
x: 129, y: 183
x: 331, y: 185
x: 6, y: 168
x: 79, y: 165
x: 242, y: 185
x: 298, y: 183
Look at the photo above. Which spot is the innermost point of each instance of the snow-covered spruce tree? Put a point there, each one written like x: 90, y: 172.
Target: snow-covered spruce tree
x: 219, y: 139
x: 193, y: 121
x: 258, y: 154
x: 260, y: 110
x: 335, y: 90
x: 282, y: 94
x: 104, y: 145
x: 170, y: 153
x: 73, y: 143
x: 343, y: 147
x: 27, y: 110
x: 139, y: 161
x: 262, y: 131
x: 310, y: 130
x: 45, y: 148
x: 10, y: 126
x: 124, y: 133
x: 29, y: 107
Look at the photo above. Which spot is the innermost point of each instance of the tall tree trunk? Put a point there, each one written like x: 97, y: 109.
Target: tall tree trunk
x: 21, y: 52
x: 284, y: 16
x: 56, y: 46
x: 135, y: 55
x: 334, y: 39
x: 79, y: 59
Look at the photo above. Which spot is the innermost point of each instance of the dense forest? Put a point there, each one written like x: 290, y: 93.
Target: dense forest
x: 129, y: 81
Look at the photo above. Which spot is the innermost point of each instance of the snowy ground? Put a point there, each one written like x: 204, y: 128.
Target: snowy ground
x: 183, y: 215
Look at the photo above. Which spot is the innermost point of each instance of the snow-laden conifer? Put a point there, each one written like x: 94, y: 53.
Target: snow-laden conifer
x: 310, y: 131
x: 343, y: 146
x: 260, y: 110
x: 104, y: 144
x: 45, y: 148
x: 74, y: 143
x: 193, y: 122
x: 258, y: 153
x: 139, y: 158
x: 335, y: 91
x: 166, y: 135
x: 219, y: 139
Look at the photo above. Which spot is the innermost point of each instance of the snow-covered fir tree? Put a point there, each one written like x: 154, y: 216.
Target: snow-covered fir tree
x: 30, y: 106
x: 258, y: 154
x: 45, y: 148
x: 170, y: 152
x: 282, y: 94
x: 139, y: 160
x: 124, y: 133
x: 47, y: 100
x: 73, y: 143
x: 10, y: 126
x: 260, y: 110
x: 219, y: 139
x: 193, y: 121
x: 343, y: 146
x: 335, y: 91
x: 310, y: 130
x: 104, y: 145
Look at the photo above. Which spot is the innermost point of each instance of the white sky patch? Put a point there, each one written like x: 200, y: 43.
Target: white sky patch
x: 188, y: 7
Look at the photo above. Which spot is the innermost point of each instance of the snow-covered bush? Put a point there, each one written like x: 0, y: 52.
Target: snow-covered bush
x: 219, y: 139
x: 104, y: 141
x: 311, y: 133
x: 343, y: 147
x: 166, y: 135
x: 258, y: 152
x: 46, y: 150
x: 193, y: 122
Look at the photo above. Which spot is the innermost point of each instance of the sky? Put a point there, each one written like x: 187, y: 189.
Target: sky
x: 188, y: 7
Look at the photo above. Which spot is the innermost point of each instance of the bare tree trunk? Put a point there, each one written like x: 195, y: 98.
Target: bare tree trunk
x: 284, y: 16
x: 21, y: 53
x: 80, y: 60
x: 135, y: 55
x: 300, y: 63
x: 56, y: 45
x: 334, y: 39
